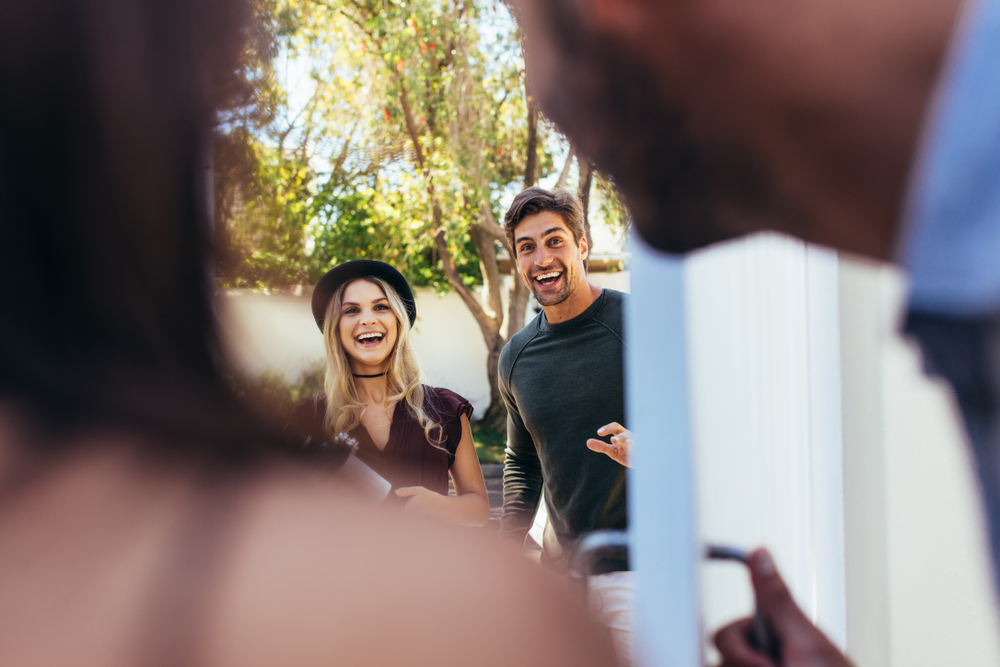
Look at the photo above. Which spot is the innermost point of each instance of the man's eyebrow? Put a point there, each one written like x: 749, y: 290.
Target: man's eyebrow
x: 550, y: 230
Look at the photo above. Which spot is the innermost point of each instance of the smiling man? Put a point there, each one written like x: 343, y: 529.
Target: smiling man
x: 561, y: 379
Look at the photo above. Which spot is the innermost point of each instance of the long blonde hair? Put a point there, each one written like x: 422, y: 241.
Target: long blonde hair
x: 343, y: 405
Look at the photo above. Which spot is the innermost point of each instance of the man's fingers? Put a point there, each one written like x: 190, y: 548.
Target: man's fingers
x: 614, y: 428
x: 736, y: 651
x: 796, y: 634
x: 600, y: 446
x: 773, y: 595
x: 617, y: 453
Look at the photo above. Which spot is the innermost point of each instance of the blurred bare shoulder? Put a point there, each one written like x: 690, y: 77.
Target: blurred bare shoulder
x: 130, y: 555
x: 316, y: 579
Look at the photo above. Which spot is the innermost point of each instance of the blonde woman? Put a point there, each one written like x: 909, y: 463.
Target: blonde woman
x: 412, y: 434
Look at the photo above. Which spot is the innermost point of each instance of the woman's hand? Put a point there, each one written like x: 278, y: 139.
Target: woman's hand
x: 802, y: 643
x: 421, y: 500
x: 470, y: 506
x: 622, y: 442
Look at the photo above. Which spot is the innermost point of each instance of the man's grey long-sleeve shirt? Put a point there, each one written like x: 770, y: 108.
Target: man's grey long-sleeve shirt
x: 560, y: 383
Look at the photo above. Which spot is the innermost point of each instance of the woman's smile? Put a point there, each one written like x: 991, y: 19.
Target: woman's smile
x: 370, y: 338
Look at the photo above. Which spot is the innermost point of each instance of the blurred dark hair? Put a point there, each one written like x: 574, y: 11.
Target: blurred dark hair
x: 535, y: 200
x: 106, y: 306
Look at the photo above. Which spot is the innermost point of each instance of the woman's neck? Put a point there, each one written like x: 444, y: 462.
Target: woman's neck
x: 372, y: 390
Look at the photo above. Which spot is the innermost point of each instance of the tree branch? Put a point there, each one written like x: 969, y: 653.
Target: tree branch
x: 531, y: 145
x: 411, y: 127
x: 490, y: 272
x: 561, y: 183
x: 486, y: 323
x: 492, y: 227
x: 586, y: 177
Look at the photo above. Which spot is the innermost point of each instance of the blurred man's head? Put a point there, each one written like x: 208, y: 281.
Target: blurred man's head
x: 546, y: 232
x: 721, y: 117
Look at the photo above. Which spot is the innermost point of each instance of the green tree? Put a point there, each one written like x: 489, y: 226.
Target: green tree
x: 407, y: 124
x: 471, y: 131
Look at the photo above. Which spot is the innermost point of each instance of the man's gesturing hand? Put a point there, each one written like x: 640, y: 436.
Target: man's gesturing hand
x: 621, y: 442
x: 802, y: 643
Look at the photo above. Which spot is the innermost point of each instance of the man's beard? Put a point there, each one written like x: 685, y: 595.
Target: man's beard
x: 546, y: 300
x: 683, y: 191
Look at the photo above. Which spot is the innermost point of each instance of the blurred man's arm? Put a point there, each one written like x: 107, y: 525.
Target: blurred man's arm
x: 522, y: 476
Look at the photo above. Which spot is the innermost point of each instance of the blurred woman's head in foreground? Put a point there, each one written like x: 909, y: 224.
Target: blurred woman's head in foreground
x: 105, y: 198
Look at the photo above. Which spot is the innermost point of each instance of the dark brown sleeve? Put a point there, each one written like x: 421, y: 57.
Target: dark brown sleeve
x: 446, y: 408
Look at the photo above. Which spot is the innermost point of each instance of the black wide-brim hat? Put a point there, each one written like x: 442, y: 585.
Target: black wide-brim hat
x: 360, y: 268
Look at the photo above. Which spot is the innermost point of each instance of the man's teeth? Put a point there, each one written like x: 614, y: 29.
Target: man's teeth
x: 547, y: 276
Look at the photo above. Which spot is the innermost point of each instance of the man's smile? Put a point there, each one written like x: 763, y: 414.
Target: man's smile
x: 547, y: 279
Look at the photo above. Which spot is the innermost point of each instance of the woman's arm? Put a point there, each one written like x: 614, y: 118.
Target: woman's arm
x: 471, y: 506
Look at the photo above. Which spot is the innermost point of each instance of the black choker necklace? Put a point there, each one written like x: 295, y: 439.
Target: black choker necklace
x: 377, y: 375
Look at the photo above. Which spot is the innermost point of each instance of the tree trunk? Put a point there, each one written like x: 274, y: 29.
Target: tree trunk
x: 487, y: 252
x: 586, y: 178
x: 496, y: 414
x: 531, y: 145
x: 517, y: 296
x: 517, y: 304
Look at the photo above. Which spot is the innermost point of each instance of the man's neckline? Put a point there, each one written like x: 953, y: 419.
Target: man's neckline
x: 545, y: 325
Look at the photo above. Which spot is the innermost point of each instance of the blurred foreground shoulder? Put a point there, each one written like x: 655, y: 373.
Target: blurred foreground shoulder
x: 317, y: 579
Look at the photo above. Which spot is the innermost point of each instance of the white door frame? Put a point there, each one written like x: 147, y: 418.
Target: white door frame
x: 767, y: 307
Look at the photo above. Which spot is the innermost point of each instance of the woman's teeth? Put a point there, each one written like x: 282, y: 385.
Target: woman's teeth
x: 370, y: 338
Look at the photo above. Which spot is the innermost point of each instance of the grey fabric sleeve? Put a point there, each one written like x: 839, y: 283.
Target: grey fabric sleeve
x: 522, y: 472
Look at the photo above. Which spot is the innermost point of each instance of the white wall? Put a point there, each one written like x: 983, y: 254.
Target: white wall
x: 269, y: 332
x: 276, y: 332
x: 919, y: 588
x: 619, y: 280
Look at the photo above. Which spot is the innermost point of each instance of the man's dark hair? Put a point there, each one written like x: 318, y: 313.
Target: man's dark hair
x: 534, y: 200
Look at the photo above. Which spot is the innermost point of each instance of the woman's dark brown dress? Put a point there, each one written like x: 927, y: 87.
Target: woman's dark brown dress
x: 408, y: 459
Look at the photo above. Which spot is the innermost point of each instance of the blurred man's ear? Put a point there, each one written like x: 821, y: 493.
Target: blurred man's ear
x: 584, y: 250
